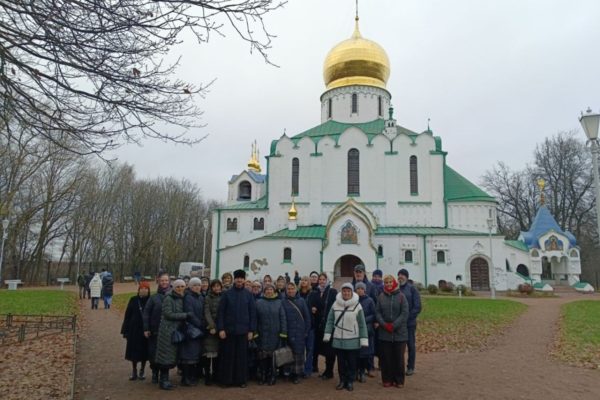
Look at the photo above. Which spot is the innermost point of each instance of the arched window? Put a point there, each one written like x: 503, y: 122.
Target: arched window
x: 232, y: 224
x: 380, y: 106
x: 380, y: 251
x: 414, y: 181
x: 574, y: 254
x: 244, y: 190
x: 353, y: 173
x: 259, y: 224
x: 507, y: 266
x: 246, y: 262
x: 329, y: 108
x: 441, y: 257
x: 408, y: 256
x: 523, y: 270
x: 295, y: 176
x: 354, y: 103
x: 535, y: 253
x: 287, y: 254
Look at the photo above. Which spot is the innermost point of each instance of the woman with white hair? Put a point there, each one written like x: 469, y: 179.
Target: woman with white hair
x: 172, y: 318
x: 190, y: 351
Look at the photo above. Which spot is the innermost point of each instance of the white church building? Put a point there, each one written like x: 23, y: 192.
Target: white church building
x: 360, y: 188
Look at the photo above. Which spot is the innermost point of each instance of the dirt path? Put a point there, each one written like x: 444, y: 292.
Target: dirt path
x: 517, y: 367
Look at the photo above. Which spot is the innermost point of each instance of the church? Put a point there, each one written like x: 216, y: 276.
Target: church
x: 361, y: 189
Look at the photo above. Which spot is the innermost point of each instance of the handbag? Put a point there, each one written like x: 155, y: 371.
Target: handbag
x: 283, y: 356
x: 177, y: 336
x: 193, y: 332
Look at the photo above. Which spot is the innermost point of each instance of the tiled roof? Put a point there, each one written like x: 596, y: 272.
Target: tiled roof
x: 255, y: 176
x: 301, y: 232
x: 260, y: 204
x: 457, y: 188
x: 517, y: 244
x: 543, y: 223
x: 423, y: 230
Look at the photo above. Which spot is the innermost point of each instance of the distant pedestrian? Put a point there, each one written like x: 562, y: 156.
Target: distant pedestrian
x: 81, y: 286
x: 95, y: 290
x: 88, y: 279
x: 137, y: 277
x: 107, y: 290
x: 132, y: 329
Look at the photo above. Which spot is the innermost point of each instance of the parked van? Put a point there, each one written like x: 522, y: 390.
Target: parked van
x: 191, y: 269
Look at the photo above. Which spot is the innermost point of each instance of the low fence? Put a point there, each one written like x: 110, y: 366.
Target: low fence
x: 18, y: 328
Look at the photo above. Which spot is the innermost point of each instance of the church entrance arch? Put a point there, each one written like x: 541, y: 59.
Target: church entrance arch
x: 480, y: 274
x: 344, y: 266
x: 523, y: 270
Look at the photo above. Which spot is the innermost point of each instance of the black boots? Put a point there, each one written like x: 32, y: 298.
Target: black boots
x: 163, y: 380
x: 142, y: 374
x: 154, y: 375
x: 188, y: 378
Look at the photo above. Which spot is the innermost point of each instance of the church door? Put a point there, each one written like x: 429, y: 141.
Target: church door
x: 345, y: 266
x: 480, y: 274
x: 546, y: 269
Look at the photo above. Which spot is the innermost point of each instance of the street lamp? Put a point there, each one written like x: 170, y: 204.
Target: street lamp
x: 590, y: 122
x: 490, y: 224
x: 4, y: 236
x: 205, y: 224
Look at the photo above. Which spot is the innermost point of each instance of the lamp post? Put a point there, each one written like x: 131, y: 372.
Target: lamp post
x: 5, y: 223
x: 490, y: 224
x: 590, y: 122
x: 205, y: 224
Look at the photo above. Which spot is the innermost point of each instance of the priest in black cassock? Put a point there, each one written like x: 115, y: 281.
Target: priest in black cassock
x: 236, y: 323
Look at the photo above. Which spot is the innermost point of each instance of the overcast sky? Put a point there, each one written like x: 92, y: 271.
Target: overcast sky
x: 495, y: 76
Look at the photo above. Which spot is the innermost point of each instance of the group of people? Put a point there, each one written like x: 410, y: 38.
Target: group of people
x: 96, y: 285
x: 233, y: 330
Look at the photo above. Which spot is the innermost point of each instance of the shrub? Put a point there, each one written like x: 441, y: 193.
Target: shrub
x: 419, y: 286
x: 442, y: 284
x: 448, y: 287
x: 525, y: 288
x: 432, y: 289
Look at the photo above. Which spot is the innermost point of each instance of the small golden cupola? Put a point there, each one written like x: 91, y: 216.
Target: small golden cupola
x: 254, y: 163
x: 356, y: 61
x: 293, y: 213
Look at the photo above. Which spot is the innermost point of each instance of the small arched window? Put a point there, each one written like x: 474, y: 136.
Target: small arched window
x: 441, y: 257
x: 329, y: 108
x: 380, y: 106
x: 295, y: 176
x: 380, y: 251
x: 244, y: 191
x: 414, y: 179
x: 232, y: 224
x: 507, y: 266
x: 246, y: 262
x: 287, y: 254
x: 535, y: 253
x: 574, y: 254
x: 353, y: 172
x: 408, y: 256
x: 354, y: 103
x: 259, y: 224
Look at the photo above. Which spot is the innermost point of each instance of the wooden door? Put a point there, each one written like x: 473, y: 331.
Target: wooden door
x: 480, y: 274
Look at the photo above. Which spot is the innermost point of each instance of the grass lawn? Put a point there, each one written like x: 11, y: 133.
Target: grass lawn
x: 48, y: 302
x: 579, y: 336
x: 120, y: 300
x: 463, y: 324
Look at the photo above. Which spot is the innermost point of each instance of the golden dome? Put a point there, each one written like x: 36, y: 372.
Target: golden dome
x: 356, y: 61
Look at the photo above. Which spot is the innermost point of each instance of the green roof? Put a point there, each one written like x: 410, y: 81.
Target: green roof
x: 301, y: 232
x: 423, y: 230
x: 458, y: 188
x: 517, y: 244
x: 260, y: 204
x: 335, y: 129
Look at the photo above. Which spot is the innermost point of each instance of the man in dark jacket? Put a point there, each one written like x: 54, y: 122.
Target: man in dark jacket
x: 360, y: 275
x: 151, y: 317
x: 107, y: 290
x: 236, y: 323
x: 88, y: 279
x: 413, y: 298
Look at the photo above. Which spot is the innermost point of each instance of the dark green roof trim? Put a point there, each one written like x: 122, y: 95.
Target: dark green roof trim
x: 517, y: 244
x: 316, y: 154
x: 260, y: 204
x: 299, y: 203
x: 301, y: 232
x: 414, y: 203
x: 458, y: 189
x: 423, y: 230
x: 273, y: 146
x: 438, y: 152
x: 365, y: 203
x: 391, y: 153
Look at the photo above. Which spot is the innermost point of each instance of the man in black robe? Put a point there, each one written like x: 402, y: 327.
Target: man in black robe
x: 236, y: 323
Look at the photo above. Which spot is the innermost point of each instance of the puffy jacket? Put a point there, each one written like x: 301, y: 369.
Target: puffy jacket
x: 346, y: 324
x: 271, y: 323
x: 237, y: 312
x: 413, y: 298
x: 392, y: 308
x: 298, y: 323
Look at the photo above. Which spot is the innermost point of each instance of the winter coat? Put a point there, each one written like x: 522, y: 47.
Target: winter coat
x: 348, y: 329
x: 133, y: 330
x: 413, y: 299
x: 368, y: 306
x: 81, y: 281
x: 310, y: 298
x: 211, y: 307
x: 153, y: 312
x: 96, y: 286
x: 88, y: 279
x: 371, y: 290
x: 323, y: 301
x: 392, y: 307
x: 173, y: 318
x: 298, y: 323
x: 237, y: 312
x: 107, y: 285
x: 193, y: 304
x: 271, y: 323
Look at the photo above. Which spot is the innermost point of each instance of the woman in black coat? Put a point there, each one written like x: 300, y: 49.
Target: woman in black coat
x: 132, y: 329
x: 298, y: 327
x: 191, y: 349
x: 322, y: 300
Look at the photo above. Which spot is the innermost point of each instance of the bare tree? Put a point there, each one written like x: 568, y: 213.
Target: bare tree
x: 92, y: 72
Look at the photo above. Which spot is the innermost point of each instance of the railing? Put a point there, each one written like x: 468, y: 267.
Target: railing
x: 18, y: 328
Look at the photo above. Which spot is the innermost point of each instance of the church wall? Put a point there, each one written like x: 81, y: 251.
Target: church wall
x: 368, y: 104
x: 258, y: 189
x: 471, y: 216
x: 245, y: 226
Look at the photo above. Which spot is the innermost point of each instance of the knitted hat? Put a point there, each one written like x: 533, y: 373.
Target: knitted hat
x: 194, y: 281
x: 360, y: 285
x: 378, y: 272
x: 144, y: 285
x: 359, y: 267
x: 403, y: 272
x: 347, y: 285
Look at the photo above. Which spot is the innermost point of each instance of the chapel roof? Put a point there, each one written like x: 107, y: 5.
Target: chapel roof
x: 457, y: 188
x: 543, y: 223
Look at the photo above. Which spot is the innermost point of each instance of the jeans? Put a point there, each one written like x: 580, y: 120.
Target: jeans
x: 95, y: 301
x: 411, y: 346
x: 310, y: 348
x: 107, y: 301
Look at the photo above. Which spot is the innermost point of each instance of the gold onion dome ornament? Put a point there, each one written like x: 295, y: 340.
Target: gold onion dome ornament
x: 356, y: 61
